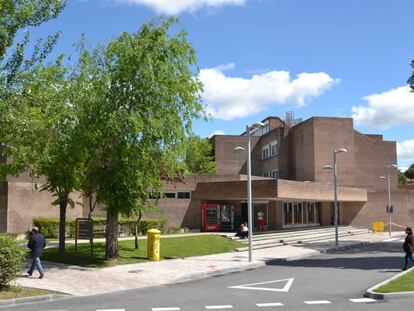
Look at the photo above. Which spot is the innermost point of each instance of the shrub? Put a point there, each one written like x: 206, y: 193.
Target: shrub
x: 49, y: 227
x: 11, y: 260
x: 12, y: 236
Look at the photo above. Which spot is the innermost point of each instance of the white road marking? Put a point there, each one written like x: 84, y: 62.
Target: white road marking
x: 362, y: 300
x: 110, y: 310
x: 269, y: 304
x: 219, y: 307
x: 166, y: 309
x: 317, y: 302
x: 391, y: 239
x: 252, y: 286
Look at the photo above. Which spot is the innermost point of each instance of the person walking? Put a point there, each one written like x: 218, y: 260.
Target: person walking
x: 408, y: 247
x: 36, y: 244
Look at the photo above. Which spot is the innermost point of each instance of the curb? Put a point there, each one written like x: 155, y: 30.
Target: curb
x: 370, y: 293
x: 344, y: 247
x: 28, y: 300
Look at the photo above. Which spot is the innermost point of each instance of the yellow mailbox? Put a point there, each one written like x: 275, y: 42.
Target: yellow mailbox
x: 153, y: 244
x: 378, y: 226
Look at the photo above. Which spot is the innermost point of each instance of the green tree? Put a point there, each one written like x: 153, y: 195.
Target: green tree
x: 141, y: 98
x: 199, y: 157
x: 40, y: 121
x: 402, y: 179
x: 409, y: 173
x: 15, y: 16
x: 411, y: 79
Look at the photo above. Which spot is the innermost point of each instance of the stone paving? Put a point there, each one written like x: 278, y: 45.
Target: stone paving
x: 80, y: 281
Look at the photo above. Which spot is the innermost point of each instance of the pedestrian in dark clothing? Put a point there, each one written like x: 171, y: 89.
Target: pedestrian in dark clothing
x: 408, y: 247
x: 36, y: 243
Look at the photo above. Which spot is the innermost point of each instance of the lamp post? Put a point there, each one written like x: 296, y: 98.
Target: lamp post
x: 336, y: 211
x: 388, y: 178
x: 249, y: 183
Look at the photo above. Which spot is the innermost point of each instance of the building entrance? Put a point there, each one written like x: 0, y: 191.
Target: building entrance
x: 301, y: 214
x: 256, y: 209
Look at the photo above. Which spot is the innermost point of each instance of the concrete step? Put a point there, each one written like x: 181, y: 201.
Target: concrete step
x: 289, y: 234
x: 308, y: 237
x: 284, y: 239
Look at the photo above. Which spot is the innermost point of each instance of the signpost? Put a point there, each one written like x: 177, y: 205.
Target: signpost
x: 84, y: 231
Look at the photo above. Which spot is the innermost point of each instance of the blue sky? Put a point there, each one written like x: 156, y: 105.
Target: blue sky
x: 265, y: 57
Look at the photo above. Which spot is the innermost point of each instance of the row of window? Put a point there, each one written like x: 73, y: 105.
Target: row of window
x: 269, y: 150
x: 261, y: 131
x: 301, y: 213
x: 171, y: 195
x: 271, y: 174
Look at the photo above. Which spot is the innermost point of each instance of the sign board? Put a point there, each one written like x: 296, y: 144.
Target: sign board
x: 84, y: 231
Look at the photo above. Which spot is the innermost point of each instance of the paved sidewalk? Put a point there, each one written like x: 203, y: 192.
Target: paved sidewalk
x: 80, y: 281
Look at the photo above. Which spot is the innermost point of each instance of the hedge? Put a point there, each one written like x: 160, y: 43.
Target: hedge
x: 49, y: 227
x: 11, y: 260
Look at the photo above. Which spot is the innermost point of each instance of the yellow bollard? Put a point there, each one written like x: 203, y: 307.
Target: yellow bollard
x: 153, y: 244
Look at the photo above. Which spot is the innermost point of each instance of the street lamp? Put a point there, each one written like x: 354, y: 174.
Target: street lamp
x: 336, y: 211
x: 388, y: 178
x: 255, y: 125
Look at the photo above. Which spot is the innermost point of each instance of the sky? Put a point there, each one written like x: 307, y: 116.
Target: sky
x: 260, y: 58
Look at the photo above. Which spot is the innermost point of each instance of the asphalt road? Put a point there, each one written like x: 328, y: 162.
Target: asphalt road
x: 325, y: 282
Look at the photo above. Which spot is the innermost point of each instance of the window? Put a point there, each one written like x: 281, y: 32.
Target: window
x: 183, y: 195
x: 301, y: 213
x: 274, y: 174
x: 269, y: 150
x: 169, y: 195
x: 273, y: 148
x: 265, y: 152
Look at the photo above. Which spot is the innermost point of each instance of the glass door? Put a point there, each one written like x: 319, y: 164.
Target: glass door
x: 227, y: 217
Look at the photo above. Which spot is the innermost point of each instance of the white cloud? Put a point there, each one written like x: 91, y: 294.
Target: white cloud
x: 218, y: 132
x: 173, y: 7
x: 405, y: 150
x: 234, y: 97
x: 392, y: 107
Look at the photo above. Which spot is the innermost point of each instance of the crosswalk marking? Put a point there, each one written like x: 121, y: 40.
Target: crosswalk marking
x: 269, y: 304
x: 317, y: 302
x: 219, y: 307
x: 166, y: 309
x: 362, y: 300
x: 110, y: 310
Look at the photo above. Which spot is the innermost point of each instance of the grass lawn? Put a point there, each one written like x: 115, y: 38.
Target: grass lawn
x: 171, y: 248
x: 404, y: 283
x: 20, y: 292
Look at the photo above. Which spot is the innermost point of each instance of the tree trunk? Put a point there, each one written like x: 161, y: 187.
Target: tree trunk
x: 62, y: 224
x: 111, y: 247
x: 136, y: 229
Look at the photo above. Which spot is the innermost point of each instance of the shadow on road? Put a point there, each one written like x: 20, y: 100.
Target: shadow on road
x: 376, y: 256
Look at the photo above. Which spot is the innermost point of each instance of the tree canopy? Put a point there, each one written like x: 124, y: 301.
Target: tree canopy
x: 199, y: 157
x: 409, y: 173
x: 141, y: 98
x: 16, y: 16
x: 411, y: 79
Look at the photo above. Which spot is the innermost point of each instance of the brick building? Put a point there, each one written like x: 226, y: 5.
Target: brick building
x: 289, y: 184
